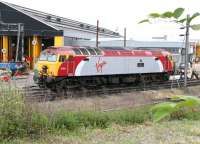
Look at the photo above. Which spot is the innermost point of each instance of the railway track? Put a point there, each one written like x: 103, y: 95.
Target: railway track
x: 34, y: 93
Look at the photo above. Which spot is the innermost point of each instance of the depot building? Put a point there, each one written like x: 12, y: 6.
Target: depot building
x: 27, y: 32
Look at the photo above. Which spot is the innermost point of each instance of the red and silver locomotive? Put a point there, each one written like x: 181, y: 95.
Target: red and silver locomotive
x: 82, y: 66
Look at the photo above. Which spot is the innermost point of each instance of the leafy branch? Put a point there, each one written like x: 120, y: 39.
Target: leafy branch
x: 177, y: 103
x: 175, y: 16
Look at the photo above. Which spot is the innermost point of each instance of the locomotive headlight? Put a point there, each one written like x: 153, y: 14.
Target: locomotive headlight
x: 44, y: 69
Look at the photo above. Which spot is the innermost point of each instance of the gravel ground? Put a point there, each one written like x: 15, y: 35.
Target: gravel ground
x: 23, y: 81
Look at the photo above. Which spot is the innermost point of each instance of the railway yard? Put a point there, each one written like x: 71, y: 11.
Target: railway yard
x: 65, y: 81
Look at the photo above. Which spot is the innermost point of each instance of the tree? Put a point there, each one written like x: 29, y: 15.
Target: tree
x: 176, y: 16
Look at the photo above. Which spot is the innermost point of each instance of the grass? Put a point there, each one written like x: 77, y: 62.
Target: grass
x: 124, y: 126
x: 171, y: 132
x: 19, y: 120
x: 21, y: 123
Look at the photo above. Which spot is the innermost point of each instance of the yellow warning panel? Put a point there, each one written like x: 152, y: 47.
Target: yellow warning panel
x: 4, y: 50
x: 35, y: 44
x: 58, y: 41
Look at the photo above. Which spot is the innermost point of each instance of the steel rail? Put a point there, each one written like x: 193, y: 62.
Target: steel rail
x: 34, y: 93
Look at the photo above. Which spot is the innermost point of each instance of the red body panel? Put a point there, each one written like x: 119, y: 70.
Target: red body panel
x: 68, y: 68
x: 168, y: 66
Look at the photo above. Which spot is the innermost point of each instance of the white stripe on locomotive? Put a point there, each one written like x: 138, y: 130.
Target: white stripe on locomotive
x: 119, y: 65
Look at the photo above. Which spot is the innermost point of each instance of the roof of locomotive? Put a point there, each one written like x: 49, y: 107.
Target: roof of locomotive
x: 77, y: 50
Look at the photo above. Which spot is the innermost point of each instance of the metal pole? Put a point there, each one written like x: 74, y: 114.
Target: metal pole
x: 97, y: 35
x: 187, y: 44
x: 22, y: 31
x: 18, y: 39
x: 124, y: 37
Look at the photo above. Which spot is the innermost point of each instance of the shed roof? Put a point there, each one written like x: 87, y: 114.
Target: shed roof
x: 62, y: 24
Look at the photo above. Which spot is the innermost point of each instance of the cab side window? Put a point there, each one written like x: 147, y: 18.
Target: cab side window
x: 92, y: 51
x: 84, y: 51
x: 62, y: 58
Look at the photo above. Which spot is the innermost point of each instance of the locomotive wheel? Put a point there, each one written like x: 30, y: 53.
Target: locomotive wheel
x: 60, y: 88
x: 165, y: 77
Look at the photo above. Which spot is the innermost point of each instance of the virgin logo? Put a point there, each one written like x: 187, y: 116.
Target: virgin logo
x: 99, y: 65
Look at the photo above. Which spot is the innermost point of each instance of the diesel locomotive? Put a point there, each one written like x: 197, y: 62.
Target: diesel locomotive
x: 70, y: 66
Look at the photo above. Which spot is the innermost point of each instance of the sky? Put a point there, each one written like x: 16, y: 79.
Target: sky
x: 118, y: 14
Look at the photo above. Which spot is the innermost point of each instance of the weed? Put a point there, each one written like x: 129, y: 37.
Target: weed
x: 65, y: 120
x: 94, y: 119
x: 38, y: 124
x: 11, y: 112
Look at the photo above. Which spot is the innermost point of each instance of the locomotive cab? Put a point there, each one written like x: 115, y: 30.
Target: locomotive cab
x: 49, y: 63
